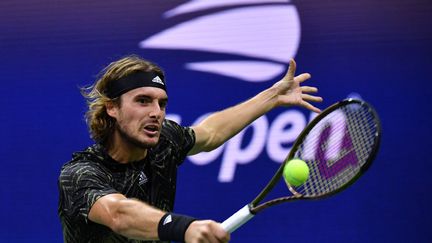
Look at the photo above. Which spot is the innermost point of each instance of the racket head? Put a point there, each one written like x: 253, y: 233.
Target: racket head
x: 338, y: 146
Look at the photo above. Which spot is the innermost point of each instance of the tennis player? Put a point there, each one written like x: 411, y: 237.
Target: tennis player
x: 122, y: 188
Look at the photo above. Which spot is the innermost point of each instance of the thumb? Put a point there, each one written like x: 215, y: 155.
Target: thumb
x: 291, y: 70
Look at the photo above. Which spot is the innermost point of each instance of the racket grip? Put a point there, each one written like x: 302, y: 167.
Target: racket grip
x: 237, y: 219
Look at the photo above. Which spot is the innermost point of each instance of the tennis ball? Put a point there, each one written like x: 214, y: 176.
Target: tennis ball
x: 296, y: 172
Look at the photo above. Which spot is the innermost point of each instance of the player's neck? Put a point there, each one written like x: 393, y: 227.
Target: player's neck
x: 124, y: 152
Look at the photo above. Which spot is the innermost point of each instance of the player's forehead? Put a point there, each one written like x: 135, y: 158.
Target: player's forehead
x: 152, y: 92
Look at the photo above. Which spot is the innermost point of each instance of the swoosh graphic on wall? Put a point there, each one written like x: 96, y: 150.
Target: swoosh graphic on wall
x: 252, y: 71
x: 198, y: 5
x: 268, y: 33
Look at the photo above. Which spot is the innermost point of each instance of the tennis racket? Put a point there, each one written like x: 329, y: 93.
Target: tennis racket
x: 338, y: 146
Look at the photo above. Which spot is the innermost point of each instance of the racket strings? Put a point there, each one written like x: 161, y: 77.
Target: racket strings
x: 336, y: 148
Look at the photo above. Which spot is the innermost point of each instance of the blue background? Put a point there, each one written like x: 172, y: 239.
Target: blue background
x: 378, y: 49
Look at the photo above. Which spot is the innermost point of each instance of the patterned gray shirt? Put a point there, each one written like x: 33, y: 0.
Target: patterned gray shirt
x: 92, y: 174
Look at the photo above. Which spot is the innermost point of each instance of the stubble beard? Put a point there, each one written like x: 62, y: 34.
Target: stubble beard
x: 133, y: 141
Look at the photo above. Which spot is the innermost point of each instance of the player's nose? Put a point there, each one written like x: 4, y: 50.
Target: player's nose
x: 156, y: 111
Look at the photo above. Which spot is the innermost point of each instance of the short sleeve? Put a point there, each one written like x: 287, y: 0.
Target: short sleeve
x: 81, y: 184
x: 182, y: 137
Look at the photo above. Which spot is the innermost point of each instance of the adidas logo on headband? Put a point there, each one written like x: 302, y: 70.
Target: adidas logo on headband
x: 132, y: 81
x: 157, y: 80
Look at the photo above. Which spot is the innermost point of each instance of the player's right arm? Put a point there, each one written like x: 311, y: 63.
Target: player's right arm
x: 138, y: 220
x: 86, y: 193
x: 128, y: 217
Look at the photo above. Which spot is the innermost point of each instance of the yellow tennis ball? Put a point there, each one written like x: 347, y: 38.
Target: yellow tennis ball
x: 296, y: 172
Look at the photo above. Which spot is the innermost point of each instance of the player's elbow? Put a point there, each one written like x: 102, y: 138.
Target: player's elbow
x: 119, y: 226
x: 121, y: 221
x: 111, y: 211
x: 116, y: 221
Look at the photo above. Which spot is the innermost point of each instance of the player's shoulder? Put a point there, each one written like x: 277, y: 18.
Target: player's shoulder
x: 79, y: 167
x: 87, y: 162
x: 174, y: 131
x: 170, y: 126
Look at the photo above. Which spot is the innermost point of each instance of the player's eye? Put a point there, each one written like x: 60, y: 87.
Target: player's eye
x: 143, y: 100
x: 163, y: 105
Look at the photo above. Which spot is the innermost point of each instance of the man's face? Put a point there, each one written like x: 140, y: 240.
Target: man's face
x: 140, y: 116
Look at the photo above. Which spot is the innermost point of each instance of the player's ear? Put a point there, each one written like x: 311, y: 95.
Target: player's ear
x: 111, y: 109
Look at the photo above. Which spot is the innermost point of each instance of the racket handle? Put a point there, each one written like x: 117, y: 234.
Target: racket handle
x: 237, y: 219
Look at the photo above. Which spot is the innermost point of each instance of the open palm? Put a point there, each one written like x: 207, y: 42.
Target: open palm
x: 290, y: 92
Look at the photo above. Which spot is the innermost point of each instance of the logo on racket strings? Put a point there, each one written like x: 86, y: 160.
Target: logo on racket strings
x: 346, y: 157
x: 329, y: 143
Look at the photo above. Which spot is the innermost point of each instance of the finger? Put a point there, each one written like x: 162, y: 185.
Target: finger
x: 308, y: 106
x: 224, y: 238
x: 208, y: 234
x: 309, y: 89
x: 213, y: 239
x: 302, y: 77
x: 221, y: 234
x: 312, y: 98
x: 291, y: 70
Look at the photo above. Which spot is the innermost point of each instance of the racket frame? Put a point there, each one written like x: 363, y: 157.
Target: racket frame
x: 255, y: 208
x: 251, y: 209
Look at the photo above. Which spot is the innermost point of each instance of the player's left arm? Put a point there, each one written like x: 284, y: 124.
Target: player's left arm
x: 221, y: 126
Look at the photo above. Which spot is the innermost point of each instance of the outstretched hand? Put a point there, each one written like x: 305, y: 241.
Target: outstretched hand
x: 291, y: 93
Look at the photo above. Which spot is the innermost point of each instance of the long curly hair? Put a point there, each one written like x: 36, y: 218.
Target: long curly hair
x: 100, y: 124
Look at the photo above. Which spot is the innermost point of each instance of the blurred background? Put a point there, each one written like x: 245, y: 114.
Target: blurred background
x: 216, y: 54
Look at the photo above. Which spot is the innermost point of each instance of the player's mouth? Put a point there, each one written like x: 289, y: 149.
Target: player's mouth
x: 151, y: 130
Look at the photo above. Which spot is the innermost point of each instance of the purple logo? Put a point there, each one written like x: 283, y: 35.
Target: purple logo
x: 345, y: 157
